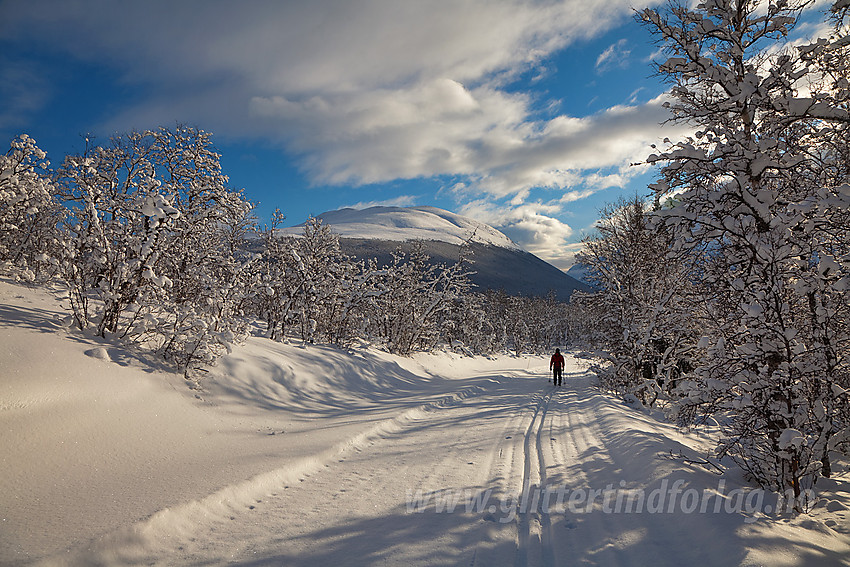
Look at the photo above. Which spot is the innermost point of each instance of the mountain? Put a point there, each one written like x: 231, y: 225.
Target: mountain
x: 412, y: 223
x: 579, y: 272
x: 499, y: 262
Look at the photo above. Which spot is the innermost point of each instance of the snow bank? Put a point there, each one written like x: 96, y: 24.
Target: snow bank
x: 95, y: 436
x: 308, y: 456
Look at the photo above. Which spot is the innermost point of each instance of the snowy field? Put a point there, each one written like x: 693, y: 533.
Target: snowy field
x: 318, y: 456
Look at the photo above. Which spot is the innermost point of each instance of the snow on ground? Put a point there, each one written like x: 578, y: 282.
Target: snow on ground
x: 319, y: 456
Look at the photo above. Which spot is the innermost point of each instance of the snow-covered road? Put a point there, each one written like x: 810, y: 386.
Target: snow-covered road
x: 317, y: 456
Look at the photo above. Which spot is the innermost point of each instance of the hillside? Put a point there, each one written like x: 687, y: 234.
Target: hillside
x: 498, y: 262
x: 515, y: 271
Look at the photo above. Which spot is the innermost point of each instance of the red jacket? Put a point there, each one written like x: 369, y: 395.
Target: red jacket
x: 557, y: 361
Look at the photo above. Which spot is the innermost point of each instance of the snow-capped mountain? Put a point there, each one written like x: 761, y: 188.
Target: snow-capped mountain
x: 499, y: 262
x: 410, y: 223
x: 579, y: 272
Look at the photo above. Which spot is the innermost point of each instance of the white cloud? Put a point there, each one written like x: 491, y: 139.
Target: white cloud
x: 633, y: 97
x: 656, y: 56
x: 366, y: 91
x: 569, y: 153
x: 614, y: 56
x: 531, y: 225
x: 291, y: 48
x: 444, y: 128
x: 22, y: 90
x: 400, y: 201
x: 571, y: 196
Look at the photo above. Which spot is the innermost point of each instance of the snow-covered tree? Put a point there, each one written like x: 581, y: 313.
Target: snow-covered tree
x: 29, y: 211
x: 118, y: 225
x: 205, y: 261
x: 150, y: 248
x: 641, y: 316
x: 496, y: 309
x: 494, y: 321
x: 319, y: 264
x: 762, y: 192
x: 308, y: 284
x: 468, y: 327
x: 411, y: 295
x: 332, y: 291
x: 275, y: 280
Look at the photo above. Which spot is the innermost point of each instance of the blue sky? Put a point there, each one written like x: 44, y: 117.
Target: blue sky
x: 524, y: 115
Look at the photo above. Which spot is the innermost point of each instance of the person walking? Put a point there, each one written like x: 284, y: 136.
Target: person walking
x: 556, y: 365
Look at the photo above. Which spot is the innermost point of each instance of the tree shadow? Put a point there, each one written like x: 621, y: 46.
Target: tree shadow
x: 49, y: 321
x: 32, y: 318
x: 473, y: 537
x: 422, y: 538
x: 346, y: 384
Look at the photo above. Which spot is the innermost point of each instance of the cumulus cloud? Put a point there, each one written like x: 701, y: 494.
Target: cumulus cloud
x: 361, y: 92
x: 531, y: 225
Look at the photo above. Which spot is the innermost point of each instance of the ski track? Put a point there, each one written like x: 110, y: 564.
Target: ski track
x: 514, y: 438
x: 254, y: 522
x: 533, y: 523
x: 590, y: 463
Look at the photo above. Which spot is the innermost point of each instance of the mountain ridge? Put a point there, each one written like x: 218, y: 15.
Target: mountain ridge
x: 401, y: 224
x: 498, y: 262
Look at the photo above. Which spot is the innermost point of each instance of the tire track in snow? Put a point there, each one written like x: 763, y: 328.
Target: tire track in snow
x: 529, y: 504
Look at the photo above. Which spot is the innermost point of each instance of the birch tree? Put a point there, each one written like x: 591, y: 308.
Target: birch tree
x: 762, y: 191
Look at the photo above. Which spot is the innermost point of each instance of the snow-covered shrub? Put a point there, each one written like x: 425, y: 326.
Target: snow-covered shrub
x: 324, y: 284
x: 308, y: 285
x: 206, y: 260
x: 29, y: 211
x: 411, y: 295
x: 531, y: 324
x: 275, y: 282
x: 639, y: 313
x: 151, y: 244
x: 494, y: 321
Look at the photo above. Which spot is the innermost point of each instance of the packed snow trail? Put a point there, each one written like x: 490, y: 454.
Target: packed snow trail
x: 464, y: 482
x: 534, y: 479
x: 310, y: 455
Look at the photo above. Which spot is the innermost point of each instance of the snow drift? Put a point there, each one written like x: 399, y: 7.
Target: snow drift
x: 313, y: 455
